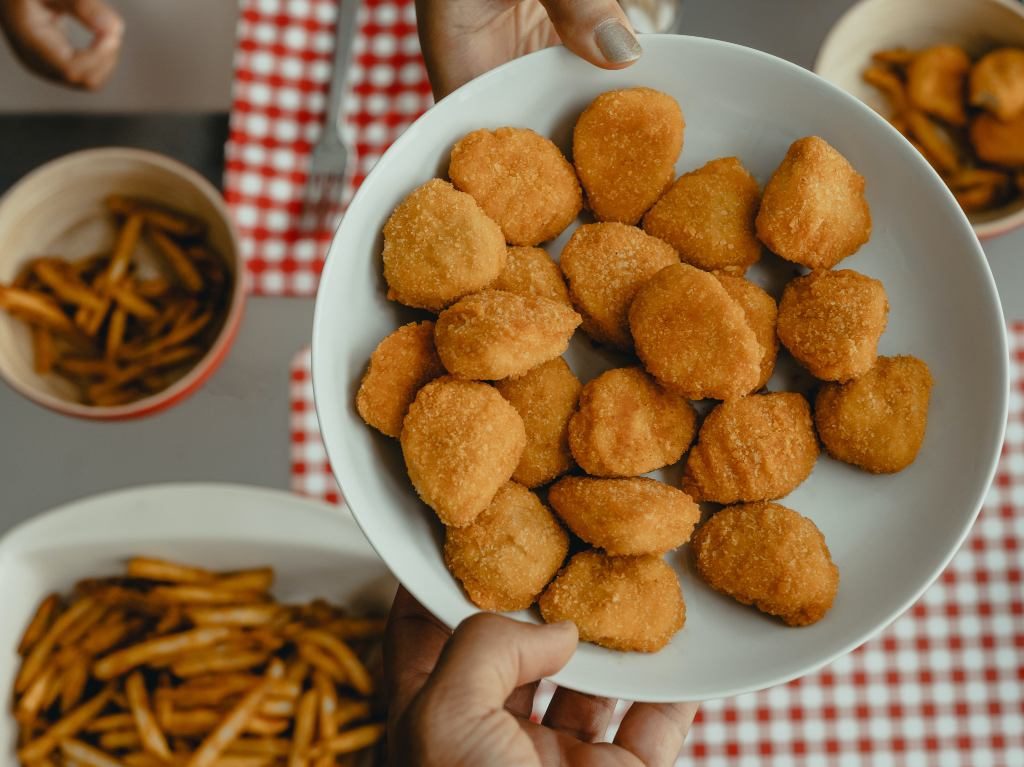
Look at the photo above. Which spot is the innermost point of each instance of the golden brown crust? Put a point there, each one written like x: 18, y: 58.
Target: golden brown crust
x: 461, y: 442
x: 509, y: 553
x: 521, y: 180
x: 997, y: 83
x: 756, y: 448
x: 997, y: 142
x: 625, y: 516
x: 632, y: 604
x: 771, y: 557
x: 545, y: 398
x: 762, y: 316
x: 877, y: 422
x: 605, y: 265
x: 628, y: 424
x: 936, y: 79
x: 493, y: 334
x: 831, y: 322
x: 439, y: 245
x: 531, y: 272
x: 693, y: 337
x: 708, y: 216
x: 400, y: 365
x: 625, y: 146
x: 814, y: 211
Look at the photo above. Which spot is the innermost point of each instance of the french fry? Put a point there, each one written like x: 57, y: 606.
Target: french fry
x: 260, y: 747
x: 235, y: 722
x: 157, y: 216
x: 85, y: 755
x: 122, y: 661
x: 80, y: 366
x: 937, y: 144
x: 890, y: 85
x: 153, y: 569
x: 297, y: 671
x: 110, y: 722
x: 42, y: 349
x: 39, y: 623
x: 978, y: 197
x: 67, y: 287
x: 357, y: 628
x: 355, y: 739
x: 327, y: 705
x: 196, y: 696
x: 76, y: 677
x: 203, y: 595
x: 178, y: 334
x: 968, y: 177
x: 246, y: 615
x: 898, y: 57
x: 267, y: 726
x: 127, y: 239
x: 154, y: 287
x: 114, y: 397
x: 280, y: 708
x: 131, y: 302
x: 349, y: 711
x: 234, y: 659
x: 305, y: 726
x: 259, y: 579
x: 31, y: 703
x: 169, y: 621
x: 320, y: 659
x: 85, y: 622
x: 178, y: 260
x: 41, y: 651
x: 355, y: 672
x: 36, y: 308
x: 118, y: 740
x: 152, y: 738
x: 67, y: 727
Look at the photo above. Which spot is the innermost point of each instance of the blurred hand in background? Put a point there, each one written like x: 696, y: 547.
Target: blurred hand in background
x: 465, y: 38
x: 38, y: 34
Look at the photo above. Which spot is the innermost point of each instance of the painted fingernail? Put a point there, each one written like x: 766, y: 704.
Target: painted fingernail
x: 617, y: 44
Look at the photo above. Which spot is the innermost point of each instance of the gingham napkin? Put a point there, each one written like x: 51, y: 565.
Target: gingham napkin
x: 944, y: 685
x: 282, y: 73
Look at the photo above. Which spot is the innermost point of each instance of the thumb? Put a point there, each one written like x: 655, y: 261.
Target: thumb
x: 597, y: 31
x: 98, y: 17
x: 489, y: 656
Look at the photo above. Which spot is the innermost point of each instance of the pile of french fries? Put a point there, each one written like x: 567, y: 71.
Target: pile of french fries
x: 118, y: 335
x: 174, y: 665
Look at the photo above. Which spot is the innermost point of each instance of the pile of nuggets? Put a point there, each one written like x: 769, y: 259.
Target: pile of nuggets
x: 489, y: 414
x: 966, y: 117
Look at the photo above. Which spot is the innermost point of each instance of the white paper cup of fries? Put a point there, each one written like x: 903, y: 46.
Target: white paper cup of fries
x: 120, y: 283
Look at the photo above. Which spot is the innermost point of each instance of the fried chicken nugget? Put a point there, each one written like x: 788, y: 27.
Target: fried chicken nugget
x: 831, y: 322
x: 628, y: 424
x: 814, y: 211
x: 756, y: 448
x: 439, y: 245
x: 762, y: 315
x: 494, y: 334
x: 531, y: 272
x: 997, y: 83
x: 708, y: 216
x: 545, y: 398
x: 509, y: 553
x: 771, y: 557
x: 877, y: 422
x: 936, y: 79
x: 693, y: 336
x: 999, y: 143
x: 461, y: 442
x: 625, y: 146
x: 625, y: 516
x: 521, y: 180
x: 400, y: 365
x: 606, y: 264
x: 633, y: 604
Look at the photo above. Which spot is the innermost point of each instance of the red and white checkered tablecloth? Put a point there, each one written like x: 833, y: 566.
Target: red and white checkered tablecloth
x: 283, y: 65
x: 943, y: 685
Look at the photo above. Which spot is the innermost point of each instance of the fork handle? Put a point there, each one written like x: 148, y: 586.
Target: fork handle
x: 344, y: 39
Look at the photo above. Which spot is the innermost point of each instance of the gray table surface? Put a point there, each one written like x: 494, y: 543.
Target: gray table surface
x: 236, y: 428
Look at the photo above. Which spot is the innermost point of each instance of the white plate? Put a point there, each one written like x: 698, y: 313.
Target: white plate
x: 891, y: 536
x: 316, y: 550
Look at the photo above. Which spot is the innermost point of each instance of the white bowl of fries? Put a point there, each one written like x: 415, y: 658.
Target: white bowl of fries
x: 120, y: 286
x: 875, y: 34
x: 149, y: 662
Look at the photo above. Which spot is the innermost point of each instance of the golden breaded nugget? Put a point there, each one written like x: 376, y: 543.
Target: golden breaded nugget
x: 461, y: 441
x: 997, y: 83
x: 439, y: 245
x: 771, y: 557
x: 878, y: 421
x: 814, y: 211
x: 756, y: 448
x: 401, y: 364
x: 708, y: 216
x: 628, y: 424
x: 625, y: 146
x: 693, y: 336
x: 936, y: 79
x: 632, y: 604
x: 999, y: 143
x: 509, y: 553
x: 545, y: 398
x: 625, y: 516
x: 494, y: 334
x: 606, y: 264
x: 831, y: 322
x: 762, y: 315
x: 531, y: 272
x: 521, y: 180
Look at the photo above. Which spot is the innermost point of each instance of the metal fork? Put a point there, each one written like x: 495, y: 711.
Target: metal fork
x: 326, y: 182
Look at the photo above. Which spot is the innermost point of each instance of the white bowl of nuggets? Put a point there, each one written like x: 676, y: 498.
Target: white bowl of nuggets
x: 598, y: 389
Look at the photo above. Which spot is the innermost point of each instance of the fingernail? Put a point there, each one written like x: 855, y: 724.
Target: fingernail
x: 564, y: 626
x: 617, y: 44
